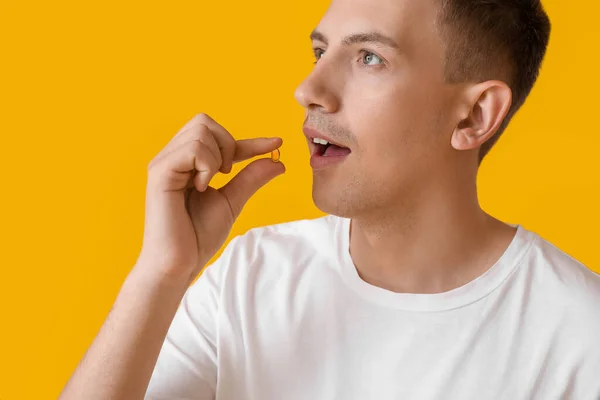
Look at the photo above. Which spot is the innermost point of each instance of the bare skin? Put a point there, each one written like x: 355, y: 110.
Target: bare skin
x: 409, y: 184
x: 180, y: 237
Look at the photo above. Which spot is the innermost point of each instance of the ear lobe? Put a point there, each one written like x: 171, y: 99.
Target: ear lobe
x: 488, y: 104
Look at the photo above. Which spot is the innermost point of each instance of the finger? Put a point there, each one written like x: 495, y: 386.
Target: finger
x: 191, y: 157
x: 248, y: 181
x: 248, y: 148
x: 194, y: 121
x: 205, y: 135
x: 197, y: 132
x: 224, y: 139
x: 225, y: 142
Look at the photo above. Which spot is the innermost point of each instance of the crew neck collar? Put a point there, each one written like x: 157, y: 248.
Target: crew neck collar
x: 452, y: 299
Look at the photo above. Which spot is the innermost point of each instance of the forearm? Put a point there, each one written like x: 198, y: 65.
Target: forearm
x: 120, y: 361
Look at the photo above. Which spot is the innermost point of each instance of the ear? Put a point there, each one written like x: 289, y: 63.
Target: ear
x: 484, y: 108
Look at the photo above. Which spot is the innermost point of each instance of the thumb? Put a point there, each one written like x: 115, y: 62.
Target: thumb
x: 247, y: 182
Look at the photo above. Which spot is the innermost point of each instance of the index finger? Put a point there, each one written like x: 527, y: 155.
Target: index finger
x: 248, y: 148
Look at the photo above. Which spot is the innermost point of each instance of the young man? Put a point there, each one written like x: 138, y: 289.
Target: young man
x: 407, y: 289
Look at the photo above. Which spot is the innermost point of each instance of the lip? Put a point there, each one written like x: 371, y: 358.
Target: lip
x: 317, y: 161
x: 311, y: 133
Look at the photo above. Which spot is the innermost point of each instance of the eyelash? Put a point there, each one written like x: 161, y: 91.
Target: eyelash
x: 363, y: 52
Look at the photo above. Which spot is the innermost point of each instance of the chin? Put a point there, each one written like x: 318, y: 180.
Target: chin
x: 330, y: 199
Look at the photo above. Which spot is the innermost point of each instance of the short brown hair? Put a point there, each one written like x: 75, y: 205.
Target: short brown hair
x: 495, y: 39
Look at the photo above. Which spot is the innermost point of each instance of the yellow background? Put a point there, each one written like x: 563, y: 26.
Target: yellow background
x: 91, y: 91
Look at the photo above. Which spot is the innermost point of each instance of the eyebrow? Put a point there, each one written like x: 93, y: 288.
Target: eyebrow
x: 366, y: 37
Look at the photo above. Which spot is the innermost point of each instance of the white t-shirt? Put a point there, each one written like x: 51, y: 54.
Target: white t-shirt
x: 283, y: 315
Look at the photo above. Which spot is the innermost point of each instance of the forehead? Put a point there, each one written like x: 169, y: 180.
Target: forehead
x: 407, y: 21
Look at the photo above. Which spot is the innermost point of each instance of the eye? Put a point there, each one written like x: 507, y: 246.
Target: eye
x: 371, y: 58
x: 318, y: 52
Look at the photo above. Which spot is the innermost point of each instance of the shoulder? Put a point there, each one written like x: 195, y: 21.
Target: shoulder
x: 568, y: 287
x: 278, y: 247
x: 567, y: 275
x: 288, y: 236
x: 572, y: 302
x: 305, y: 229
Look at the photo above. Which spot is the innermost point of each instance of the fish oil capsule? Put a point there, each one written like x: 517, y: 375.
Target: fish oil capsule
x: 275, y: 155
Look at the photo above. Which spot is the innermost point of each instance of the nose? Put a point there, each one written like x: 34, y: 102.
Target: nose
x: 317, y: 90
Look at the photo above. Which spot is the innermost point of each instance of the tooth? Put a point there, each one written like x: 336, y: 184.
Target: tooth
x: 320, y: 141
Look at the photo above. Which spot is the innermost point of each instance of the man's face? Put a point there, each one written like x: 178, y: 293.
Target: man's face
x: 388, y: 106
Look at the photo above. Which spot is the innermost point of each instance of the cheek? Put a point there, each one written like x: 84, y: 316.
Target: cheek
x: 396, y: 139
x: 394, y: 104
x: 387, y: 129
x: 396, y: 119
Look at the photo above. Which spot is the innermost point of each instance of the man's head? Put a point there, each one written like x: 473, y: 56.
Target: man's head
x: 417, y: 90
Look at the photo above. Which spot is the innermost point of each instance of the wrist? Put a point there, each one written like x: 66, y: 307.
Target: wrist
x: 149, y: 276
x: 153, y: 270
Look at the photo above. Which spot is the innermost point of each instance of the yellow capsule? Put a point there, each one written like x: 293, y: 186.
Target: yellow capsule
x: 275, y: 155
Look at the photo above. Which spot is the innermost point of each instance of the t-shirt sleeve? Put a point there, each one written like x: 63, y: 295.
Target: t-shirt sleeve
x: 186, y: 368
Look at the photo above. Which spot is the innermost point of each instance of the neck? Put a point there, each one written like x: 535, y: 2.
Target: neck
x: 432, y: 243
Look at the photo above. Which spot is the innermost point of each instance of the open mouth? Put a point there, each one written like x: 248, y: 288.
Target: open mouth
x: 325, y: 149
